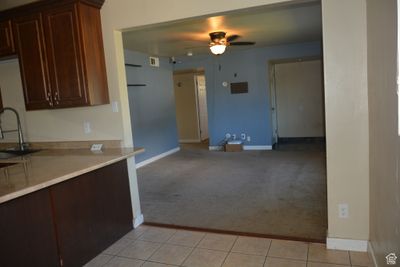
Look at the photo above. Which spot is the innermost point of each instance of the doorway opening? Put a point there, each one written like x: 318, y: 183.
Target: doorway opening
x: 279, y: 193
x: 191, y: 108
x: 297, y: 104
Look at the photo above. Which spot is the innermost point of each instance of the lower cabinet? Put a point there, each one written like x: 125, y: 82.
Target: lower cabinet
x: 27, y: 236
x: 69, y: 223
x: 91, y: 212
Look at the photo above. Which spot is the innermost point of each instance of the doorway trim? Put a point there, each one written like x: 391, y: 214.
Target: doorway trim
x: 199, y: 113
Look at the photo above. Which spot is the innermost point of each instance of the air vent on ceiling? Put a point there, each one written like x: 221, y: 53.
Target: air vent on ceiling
x: 154, y: 61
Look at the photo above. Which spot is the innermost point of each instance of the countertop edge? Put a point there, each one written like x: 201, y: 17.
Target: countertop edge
x: 66, y: 177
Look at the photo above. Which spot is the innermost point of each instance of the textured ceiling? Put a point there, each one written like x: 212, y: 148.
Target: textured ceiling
x: 266, y: 26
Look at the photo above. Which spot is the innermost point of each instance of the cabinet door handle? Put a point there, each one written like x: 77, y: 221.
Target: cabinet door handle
x: 56, y: 96
x: 48, y: 98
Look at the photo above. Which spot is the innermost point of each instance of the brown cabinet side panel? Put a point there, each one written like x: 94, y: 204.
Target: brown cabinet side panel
x: 27, y: 233
x: 6, y: 39
x: 29, y: 38
x: 92, y: 39
x: 1, y: 100
x: 65, y: 56
x: 92, y: 211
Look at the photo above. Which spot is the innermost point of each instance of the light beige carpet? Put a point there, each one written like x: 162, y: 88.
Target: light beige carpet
x: 265, y: 192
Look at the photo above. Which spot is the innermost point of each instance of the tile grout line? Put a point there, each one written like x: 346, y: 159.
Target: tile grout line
x: 233, y: 244
x: 120, y: 250
x: 193, y: 248
x: 161, y: 245
x: 168, y: 264
x: 291, y: 259
x: 230, y: 250
x: 190, y: 253
x: 114, y: 256
x: 269, y: 248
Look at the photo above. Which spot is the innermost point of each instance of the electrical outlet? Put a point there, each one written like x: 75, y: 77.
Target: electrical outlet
x: 248, y: 138
x: 243, y: 136
x: 234, y: 136
x: 86, y: 127
x: 114, y: 105
x: 344, y: 210
x: 96, y: 147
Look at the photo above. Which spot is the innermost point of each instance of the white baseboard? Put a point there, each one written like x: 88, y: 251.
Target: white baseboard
x: 257, y: 147
x: 219, y: 148
x: 138, y: 221
x: 152, y: 159
x: 347, y: 244
x: 371, y: 253
x: 215, y: 148
x: 185, y: 141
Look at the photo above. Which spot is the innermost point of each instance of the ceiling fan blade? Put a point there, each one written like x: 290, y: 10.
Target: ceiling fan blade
x: 242, y: 43
x: 232, y: 37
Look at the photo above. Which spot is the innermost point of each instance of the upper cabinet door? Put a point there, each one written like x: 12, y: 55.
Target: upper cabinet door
x: 6, y: 39
x: 32, y: 59
x: 65, y: 59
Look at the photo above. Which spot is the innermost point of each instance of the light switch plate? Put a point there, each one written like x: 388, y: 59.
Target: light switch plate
x: 343, y: 210
x: 96, y: 147
x: 114, y: 105
x: 86, y: 127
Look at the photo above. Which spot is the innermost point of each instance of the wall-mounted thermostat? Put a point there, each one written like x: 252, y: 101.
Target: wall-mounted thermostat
x: 154, y: 61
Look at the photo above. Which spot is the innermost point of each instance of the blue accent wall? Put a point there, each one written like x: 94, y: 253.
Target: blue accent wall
x: 242, y: 113
x: 152, y: 107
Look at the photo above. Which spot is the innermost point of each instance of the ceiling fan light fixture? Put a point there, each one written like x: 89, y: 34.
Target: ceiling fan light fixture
x: 218, y: 49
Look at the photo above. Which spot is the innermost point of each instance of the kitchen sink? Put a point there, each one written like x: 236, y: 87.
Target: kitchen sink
x: 6, y: 154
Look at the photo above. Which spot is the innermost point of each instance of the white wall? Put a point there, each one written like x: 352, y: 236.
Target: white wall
x: 299, y: 99
x: 57, y: 125
x: 383, y: 122
x: 346, y: 111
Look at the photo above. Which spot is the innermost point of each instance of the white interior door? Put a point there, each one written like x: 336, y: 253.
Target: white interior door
x: 202, y: 106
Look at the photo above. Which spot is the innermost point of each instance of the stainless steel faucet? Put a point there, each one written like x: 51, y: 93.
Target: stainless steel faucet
x: 21, y: 142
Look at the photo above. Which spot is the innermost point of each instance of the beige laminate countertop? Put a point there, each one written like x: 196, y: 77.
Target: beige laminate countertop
x: 48, y: 167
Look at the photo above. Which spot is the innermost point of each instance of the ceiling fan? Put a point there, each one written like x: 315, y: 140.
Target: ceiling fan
x: 219, y: 42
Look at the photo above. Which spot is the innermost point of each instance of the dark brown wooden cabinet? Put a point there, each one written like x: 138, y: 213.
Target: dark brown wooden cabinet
x: 29, y: 36
x: 61, y: 54
x: 65, y: 59
x: 6, y: 39
x: 68, y: 223
x: 92, y: 212
x: 1, y: 100
x: 27, y: 236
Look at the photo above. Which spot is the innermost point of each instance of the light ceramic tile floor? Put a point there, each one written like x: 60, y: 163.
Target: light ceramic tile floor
x: 160, y: 247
